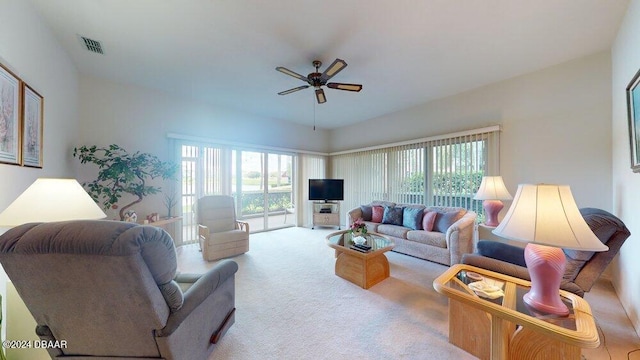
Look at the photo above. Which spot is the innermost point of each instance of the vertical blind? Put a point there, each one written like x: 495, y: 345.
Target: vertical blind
x: 443, y: 171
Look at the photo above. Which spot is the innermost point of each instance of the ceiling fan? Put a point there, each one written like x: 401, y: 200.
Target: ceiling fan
x: 317, y: 80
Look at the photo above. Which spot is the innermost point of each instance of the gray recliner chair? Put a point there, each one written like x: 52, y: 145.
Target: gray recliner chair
x: 583, y: 267
x: 110, y: 290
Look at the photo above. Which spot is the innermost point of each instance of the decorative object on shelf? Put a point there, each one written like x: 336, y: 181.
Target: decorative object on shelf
x: 49, y: 200
x: 359, y: 240
x: 130, y: 216
x: 153, y: 217
x: 9, y: 117
x: 358, y: 228
x: 492, y: 191
x: 633, y: 113
x: 123, y: 173
x: 32, y: 127
x: 547, y: 218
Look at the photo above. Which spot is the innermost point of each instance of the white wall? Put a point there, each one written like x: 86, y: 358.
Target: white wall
x: 139, y: 119
x: 32, y: 53
x: 625, y: 55
x: 556, y: 126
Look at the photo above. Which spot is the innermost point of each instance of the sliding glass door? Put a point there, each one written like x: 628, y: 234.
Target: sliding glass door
x: 261, y: 183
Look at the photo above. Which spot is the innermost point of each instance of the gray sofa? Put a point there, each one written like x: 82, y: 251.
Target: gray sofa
x: 109, y: 289
x: 583, y: 267
x: 446, y: 246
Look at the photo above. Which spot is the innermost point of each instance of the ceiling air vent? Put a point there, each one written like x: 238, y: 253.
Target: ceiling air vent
x: 92, y: 45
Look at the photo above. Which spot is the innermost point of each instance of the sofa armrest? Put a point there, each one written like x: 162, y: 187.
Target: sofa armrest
x: 459, y: 237
x: 353, y: 215
x: 198, y: 293
x: 496, y: 265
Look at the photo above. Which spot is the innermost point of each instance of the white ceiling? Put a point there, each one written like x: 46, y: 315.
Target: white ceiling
x: 404, y: 52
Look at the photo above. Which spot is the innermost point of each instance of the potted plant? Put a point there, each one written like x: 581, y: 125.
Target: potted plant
x: 122, y: 173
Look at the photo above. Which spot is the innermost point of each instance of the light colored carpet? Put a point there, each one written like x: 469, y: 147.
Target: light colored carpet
x: 291, y: 305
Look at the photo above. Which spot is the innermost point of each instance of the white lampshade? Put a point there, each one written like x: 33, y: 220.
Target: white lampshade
x: 492, y: 188
x: 548, y: 215
x: 48, y: 200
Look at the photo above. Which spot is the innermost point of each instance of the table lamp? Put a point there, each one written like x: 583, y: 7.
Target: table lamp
x: 492, y: 191
x: 547, y: 218
x: 48, y: 200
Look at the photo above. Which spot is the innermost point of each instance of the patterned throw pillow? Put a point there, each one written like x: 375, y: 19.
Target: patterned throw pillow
x: 445, y: 220
x: 366, y: 212
x: 412, y: 218
x: 392, y: 215
x: 428, y: 219
x: 376, y: 214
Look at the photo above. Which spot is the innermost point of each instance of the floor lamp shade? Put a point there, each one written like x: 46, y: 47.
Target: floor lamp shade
x: 48, y: 200
x: 547, y: 217
x: 492, y: 191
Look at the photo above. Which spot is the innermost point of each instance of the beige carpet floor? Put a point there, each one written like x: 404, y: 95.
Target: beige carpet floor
x: 291, y: 305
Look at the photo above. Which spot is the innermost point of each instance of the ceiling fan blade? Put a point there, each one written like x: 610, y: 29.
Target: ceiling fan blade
x: 293, y: 90
x: 336, y: 66
x: 292, y: 73
x: 348, y: 87
x: 320, y: 96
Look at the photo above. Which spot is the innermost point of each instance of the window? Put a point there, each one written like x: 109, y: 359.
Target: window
x: 443, y: 171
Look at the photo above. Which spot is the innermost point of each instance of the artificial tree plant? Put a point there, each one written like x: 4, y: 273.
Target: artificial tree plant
x: 122, y: 173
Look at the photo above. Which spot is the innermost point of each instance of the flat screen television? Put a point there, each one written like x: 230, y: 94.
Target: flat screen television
x: 326, y: 189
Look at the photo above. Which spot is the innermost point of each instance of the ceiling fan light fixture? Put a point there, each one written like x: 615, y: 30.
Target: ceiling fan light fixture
x: 317, y: 80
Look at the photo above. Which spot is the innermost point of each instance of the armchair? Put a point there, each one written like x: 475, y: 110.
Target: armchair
x: 221, y: 235
x: 109, y: 289
x: 583, y: 267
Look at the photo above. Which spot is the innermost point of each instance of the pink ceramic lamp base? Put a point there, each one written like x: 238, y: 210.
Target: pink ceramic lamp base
x: 546, y: 266
x: 492, y: 209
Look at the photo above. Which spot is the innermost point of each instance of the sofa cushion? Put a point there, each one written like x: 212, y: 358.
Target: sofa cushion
x: 366, y: 212
x: 393, y: 230
x: 428, y: 237
x: 392, y: 215
x: 376, y: 214
x: 428, y: 219
x: 445, y: 220
x: 412, y: 218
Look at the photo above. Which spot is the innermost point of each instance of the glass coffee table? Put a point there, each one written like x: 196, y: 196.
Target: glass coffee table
x: 363, y: 268
x: 499, y: 325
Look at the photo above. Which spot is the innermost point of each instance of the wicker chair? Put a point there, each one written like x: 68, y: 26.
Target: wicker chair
x: 221, y: 235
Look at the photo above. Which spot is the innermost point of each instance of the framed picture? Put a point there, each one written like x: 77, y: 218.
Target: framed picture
x: 9, y: 117
x: 32, y: 121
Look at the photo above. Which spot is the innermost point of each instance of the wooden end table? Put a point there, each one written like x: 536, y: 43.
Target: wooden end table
x: 506, y: 328
x: 364, y: 269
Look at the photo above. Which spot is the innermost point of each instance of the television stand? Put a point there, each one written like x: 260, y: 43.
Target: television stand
x: 326, y: 214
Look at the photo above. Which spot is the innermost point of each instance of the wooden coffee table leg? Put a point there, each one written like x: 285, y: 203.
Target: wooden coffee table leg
x: 362, y: 271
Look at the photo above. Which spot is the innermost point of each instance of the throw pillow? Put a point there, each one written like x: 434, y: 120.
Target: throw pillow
x: 428, y: 219
x: 412, y: 218
x: 445, y: 220
x: 392, y: 215
x: 376, y: 214
x: 366, y: 212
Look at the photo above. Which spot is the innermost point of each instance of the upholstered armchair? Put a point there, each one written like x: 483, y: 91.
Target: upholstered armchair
x: 221, y: 234
x: 583, y: 267
x: 109, y: 289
